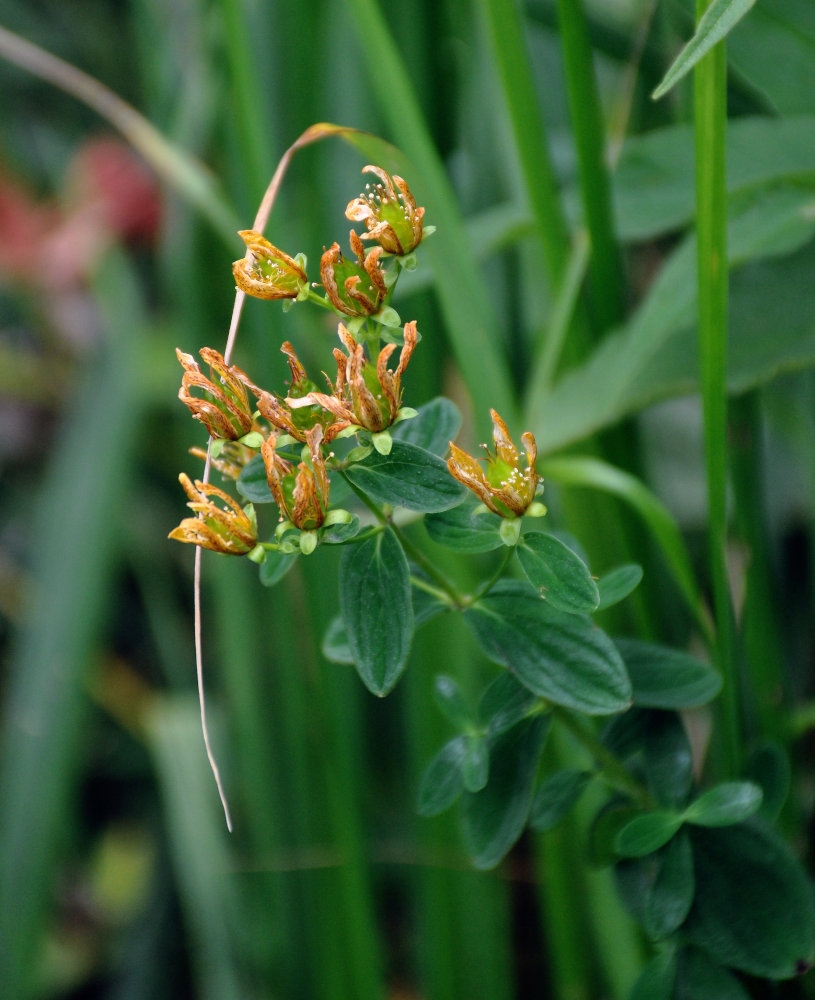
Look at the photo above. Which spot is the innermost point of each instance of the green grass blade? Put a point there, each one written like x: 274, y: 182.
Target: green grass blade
x: 171, y: 163
x: 512, y: 58
x: 198, y: 846
x: 589, y: 132
x: 471, y: 318
x: 593, y: 473
x: 717, y: 21
x: 710, y: 116
x: 76, y: 529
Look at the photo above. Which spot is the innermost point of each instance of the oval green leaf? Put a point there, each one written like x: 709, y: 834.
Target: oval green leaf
x: 724, y: 805
x: 338, y: 534
x: 667, y: 678
x: 461, y: 529
x: 408, y: 477
x: 558, y: 574
x: 452, y: 702
x: 754, y: 909
x: 647, y: 833
x: 698, y: 978
x: 656, y: 981
x: 442, y: 781
x: 475, y: 768
x: 376, y: 608
x: 494, y: 818
x: 670, y: 894
x: 617, y: 584
x: 335, y: 642
x: 252, y: 483
x: 275, y: 566
x: 505, y: 702
x: 561, y: 657
x: 435, y: 426
x: 556, y: 796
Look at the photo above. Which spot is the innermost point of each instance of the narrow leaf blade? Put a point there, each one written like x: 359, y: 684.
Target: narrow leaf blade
x: 719, y: 19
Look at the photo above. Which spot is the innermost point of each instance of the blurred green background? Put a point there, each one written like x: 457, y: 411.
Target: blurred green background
x: 117, y: 877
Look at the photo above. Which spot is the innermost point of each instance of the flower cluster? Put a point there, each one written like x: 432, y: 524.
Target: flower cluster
x: 253, y: 429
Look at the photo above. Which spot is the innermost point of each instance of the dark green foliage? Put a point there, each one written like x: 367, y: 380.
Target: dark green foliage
x: 558, y: 656
x: 377, y: 609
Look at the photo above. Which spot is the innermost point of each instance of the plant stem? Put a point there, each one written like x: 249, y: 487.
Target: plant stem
x: 496, y: 576
x: 710, y: 118
x: 615, y: 771
x: 589, y: 137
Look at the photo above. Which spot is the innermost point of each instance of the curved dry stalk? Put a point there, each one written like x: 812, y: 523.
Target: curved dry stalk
x: 172, y: 164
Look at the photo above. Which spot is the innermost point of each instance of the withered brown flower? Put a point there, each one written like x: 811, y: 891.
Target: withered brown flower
x: 223, y: 406
x: 301, y: 497
x: 355, y: 289
x: 391, y: 217
x: 364, y: 396
x: 503, y: 486
x: 220, y: 523
x: 267, y: 273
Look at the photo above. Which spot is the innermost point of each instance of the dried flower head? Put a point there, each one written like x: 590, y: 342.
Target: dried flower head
x: 390, y: 216
x: 223, y: 406
x: 502, y: 486
x: 355, y: 289
x: 298, y: 421
x: 301, y: 497
x: 364, y: 396
x: 220, y: 524
x: 267, y: 273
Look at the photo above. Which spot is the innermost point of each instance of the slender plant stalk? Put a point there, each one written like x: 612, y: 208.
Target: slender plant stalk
x: 169, y: 162
x: 710, y: 118
x: 766, y: 708
x: 589, y: 135
x: 528, y: 129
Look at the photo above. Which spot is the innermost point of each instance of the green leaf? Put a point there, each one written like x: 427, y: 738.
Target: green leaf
x: 666, y: 678
x: 618, y: 377
x: 408, y: 477
x: 718, y: 19
x: 670, y: 895
x: 774, y: 51
x: 252, y: 483
x: 377, y: 610
x: 504, y: 703
x: 647, y: 833
x: 475, y: 768
x: 769, y: 768
x: 338, y: 534
x: 617, y: 584
x: 335, y: 646
x: 556, y: 796
x: 436, y: 425
x: 654, y: 189
x: 461, y: 529
x: 442, y: 782
x: 561, y: 657
x: 494, y: 818
x: 697, y: 978
x: 667, y: 757
x: 275, y: 566
x: 560, y: 576
x: 452, y: 702
x: 754, y: 907
x: 724, y: 805
x: 656, y: 981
